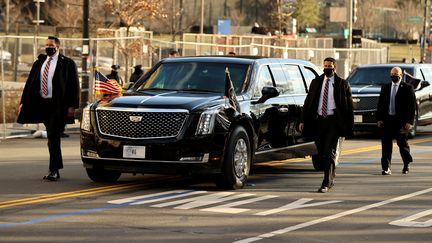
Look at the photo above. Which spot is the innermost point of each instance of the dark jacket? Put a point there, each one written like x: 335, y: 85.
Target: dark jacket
x: 136, y: 75
x: 65, y: 88
x: 115, y: 76
x: 405, y: 103
x: 343, y: 102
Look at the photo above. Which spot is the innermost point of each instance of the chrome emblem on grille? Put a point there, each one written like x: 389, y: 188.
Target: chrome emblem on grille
x: 135, y: 118
x: 356, y: 100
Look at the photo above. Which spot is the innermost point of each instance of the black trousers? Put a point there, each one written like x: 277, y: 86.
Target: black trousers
x: 392, y: 130
x: 54, y: 126
x: 326, y: 141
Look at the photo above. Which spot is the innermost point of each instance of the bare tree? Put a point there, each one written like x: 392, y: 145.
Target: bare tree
x: 64, y: 14
x: 367, y: 16
x: 132, y: 13
x: 404, y: 23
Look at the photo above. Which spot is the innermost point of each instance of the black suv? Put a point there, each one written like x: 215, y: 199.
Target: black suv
x: 366, y: 82
x: 180, y: 118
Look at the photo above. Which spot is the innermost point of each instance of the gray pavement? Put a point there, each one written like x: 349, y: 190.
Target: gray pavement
x: 279, y: 203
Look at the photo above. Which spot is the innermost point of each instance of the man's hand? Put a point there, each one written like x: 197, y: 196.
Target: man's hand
x: 19, y: 108
x: 408, y: 127
x: 380, y: 124
x: 71, y: 112
x: 301, y: 127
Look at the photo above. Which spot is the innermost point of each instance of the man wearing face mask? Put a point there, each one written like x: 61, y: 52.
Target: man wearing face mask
x: 50, y: 96
x: 114, y: 74
x: 395, y: 116
x: 327, y: 115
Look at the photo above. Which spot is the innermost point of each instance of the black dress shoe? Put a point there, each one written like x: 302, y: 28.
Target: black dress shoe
x: 405, y: 169
x: 386, y: 172
x: 52, y: 176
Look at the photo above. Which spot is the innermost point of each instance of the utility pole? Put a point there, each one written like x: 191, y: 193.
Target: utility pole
x: 350, y: 22
x: 7, y: 17
x: 85, y: 91
x: 425, y: 31
x: 37, y: 22
x: 202, y: 17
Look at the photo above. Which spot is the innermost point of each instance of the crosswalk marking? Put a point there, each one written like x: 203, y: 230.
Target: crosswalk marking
x: 229, y: 208
x: 294, y: 205
x: 203, y: 200
x: 156, y: 197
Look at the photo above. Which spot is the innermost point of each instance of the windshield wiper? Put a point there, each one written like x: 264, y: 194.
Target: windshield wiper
x: 200, y: 90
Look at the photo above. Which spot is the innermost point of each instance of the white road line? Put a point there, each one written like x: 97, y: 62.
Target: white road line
x: 331, y: 217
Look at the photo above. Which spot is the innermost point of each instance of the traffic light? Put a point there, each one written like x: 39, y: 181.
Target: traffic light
x: 354, y: 11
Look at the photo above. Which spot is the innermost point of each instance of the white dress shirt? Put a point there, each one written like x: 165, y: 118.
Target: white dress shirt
x: 330, y: 102
x: 51, y: 70
x: 392, y: 102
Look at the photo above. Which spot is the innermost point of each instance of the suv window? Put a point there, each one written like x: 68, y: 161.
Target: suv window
x: 280, y: 79
x: 264, y: 79
x: 427, y: 73
x: 294, y: 78
x: 200, y: 76
x: 309, y: 75
x: 375, y: 75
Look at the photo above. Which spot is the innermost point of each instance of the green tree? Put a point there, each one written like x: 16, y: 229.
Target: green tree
x: 307, y: 13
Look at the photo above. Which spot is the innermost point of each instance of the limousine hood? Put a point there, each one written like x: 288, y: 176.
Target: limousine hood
x: 365, y: 89
x: 170, y: 99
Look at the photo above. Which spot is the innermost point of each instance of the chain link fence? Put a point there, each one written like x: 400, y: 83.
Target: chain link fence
x: 18, y: 53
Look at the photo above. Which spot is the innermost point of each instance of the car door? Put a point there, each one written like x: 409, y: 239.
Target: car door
x: 424, y: 98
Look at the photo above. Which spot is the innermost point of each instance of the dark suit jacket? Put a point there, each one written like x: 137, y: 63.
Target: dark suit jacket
x: 65, y: 88
x: 343, y: 102
x: 405, y: 103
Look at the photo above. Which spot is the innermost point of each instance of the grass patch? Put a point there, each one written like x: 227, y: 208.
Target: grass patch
x: 399, y: 51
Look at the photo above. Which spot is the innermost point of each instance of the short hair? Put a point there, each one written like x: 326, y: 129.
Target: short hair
x: 172, y: 52
x: 330, y: 59
x: 56, y: 40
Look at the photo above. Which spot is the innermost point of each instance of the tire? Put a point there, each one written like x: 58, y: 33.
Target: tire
x: 237, y: 161
x: 413, y: 132
x: 101, y: 175
x: 316, y: 163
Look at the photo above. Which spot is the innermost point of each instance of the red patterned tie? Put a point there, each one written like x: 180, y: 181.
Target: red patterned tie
x: 325, y: 98
x: 45, y: 78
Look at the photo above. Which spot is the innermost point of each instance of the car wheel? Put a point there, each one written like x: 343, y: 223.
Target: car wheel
x: 101, y: 175
x: 319, y: 166
x: 413, y: 132
x: 237, y: 161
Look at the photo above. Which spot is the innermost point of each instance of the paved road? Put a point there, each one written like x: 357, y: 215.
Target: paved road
x: 279, y: 204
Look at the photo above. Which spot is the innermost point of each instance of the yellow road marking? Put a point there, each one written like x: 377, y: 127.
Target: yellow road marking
x: 62, y: 195
x: 344, y: 152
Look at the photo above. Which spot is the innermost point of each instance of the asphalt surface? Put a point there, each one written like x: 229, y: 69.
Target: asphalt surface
x: 279, y: 203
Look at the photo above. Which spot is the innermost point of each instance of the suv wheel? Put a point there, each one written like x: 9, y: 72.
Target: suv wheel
x: 101, y: 175
x: 237, y: 161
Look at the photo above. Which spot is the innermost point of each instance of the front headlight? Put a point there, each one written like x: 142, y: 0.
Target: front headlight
x: 85, y: 121
x: 206, y: 122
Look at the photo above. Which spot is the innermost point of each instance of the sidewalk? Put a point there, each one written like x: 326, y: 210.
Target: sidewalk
x: 15, y: 130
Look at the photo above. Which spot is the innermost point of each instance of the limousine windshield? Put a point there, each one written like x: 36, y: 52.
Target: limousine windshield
x: 196, y: 76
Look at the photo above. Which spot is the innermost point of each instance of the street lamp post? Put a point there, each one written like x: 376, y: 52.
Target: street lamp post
x: 202, y: 17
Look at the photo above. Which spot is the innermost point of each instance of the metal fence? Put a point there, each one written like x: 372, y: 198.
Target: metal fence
x: 18, y: 53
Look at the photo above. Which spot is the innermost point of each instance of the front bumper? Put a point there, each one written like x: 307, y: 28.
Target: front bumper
x: 164, y: 156
x: 365, y: 121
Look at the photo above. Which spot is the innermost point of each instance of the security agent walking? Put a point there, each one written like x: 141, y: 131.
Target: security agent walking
x: 395, y: 116
x: 115, y: 75
x: 50, y: 96
x: 327, y: 115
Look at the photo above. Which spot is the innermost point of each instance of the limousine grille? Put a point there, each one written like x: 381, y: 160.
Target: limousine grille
x: 365, y: 103
x: 137, y: 124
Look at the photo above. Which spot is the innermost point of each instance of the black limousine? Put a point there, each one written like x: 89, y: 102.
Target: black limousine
x: 200, y: 115
x: 366, y: 82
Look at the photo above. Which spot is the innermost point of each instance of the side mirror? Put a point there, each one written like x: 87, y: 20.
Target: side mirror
x: 267, y: 93
x: 424, y: 84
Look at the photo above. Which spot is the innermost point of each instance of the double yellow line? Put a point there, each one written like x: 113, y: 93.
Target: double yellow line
x: 63, y: 195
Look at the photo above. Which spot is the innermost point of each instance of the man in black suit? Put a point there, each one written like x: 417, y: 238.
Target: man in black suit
x: 395, y: 116
x: 327, y: 115
x: 50, y: 96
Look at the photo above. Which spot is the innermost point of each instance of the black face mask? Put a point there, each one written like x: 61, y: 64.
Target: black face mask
x: 394, y: 78
x: 50, y: 51
x: 328, y: 72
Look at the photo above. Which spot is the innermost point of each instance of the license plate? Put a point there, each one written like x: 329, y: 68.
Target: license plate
x: 358, y: 118
x: 137, y: 152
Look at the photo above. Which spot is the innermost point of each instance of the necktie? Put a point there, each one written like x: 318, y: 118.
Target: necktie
x: 325, y: 98
x: 392, y: 110
x: 45, y: 78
